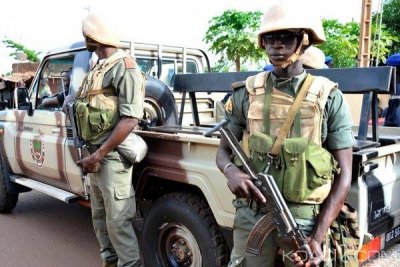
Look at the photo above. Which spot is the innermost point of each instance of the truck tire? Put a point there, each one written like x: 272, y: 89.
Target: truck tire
x: 160, y: 106
x: 180, y: 230
x: 8, y: 200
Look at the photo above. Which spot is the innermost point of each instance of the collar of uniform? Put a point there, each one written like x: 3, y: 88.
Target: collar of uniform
x: 98, y: 63
x: 288, y: 85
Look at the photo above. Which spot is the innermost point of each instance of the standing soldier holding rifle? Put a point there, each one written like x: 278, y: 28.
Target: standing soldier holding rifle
x: 295, y: 128
x: 107, y: 109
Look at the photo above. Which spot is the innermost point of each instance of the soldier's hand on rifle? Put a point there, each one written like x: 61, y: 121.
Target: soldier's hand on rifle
x: 241, y: 185
x: 315, y: 247
x: 90, y: 164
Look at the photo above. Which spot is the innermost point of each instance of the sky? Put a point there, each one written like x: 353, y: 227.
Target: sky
x: 42, y: 25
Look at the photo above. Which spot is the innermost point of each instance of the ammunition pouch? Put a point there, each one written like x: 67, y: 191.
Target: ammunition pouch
x: 345, y: 238
x: 303, y: 170
x: 93, y: 122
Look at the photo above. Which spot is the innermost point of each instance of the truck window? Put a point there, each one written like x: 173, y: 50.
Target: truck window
x: 169, y: 68
x: 52, y: 82
x: 145, y: 64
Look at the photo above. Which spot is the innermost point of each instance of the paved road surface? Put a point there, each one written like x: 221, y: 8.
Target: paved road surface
x: 45, y: 232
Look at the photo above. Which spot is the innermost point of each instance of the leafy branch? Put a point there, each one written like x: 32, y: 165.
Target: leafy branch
x: 19, y: 48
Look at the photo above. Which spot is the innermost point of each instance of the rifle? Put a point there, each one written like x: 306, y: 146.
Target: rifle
x: 79, y: 145
x: 278, y: 215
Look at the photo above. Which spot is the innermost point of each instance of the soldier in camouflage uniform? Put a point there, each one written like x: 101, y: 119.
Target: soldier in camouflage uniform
x: 114, y: 90
x: 324, y: 120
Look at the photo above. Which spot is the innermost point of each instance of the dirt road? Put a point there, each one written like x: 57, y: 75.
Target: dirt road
x: 45, y: 232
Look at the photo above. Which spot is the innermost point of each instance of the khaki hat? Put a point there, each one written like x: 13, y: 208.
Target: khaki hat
x: 313, y: 57
x: 94, y: 27
x: 291, y: 15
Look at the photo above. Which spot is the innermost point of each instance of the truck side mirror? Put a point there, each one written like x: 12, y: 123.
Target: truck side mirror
x: 21, y: 100
x: 30, y: 109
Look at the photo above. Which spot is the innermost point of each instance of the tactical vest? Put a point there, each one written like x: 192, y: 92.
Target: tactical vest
x: 96, y: 108
x: 304, y: 170
x: 311, y: 110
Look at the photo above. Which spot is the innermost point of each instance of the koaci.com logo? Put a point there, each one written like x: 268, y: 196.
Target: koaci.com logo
x: 341, y: 254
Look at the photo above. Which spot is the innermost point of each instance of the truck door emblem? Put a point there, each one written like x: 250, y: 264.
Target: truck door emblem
x: 37, y: 149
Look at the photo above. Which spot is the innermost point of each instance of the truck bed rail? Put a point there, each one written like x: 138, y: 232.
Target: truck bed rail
x: 367, y: 81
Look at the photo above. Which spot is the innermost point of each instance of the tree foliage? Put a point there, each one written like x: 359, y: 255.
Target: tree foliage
x: 342, y: 43
x: 382, y: 44
x: 233, y: 36
x: 19, y: 48
x: 391, y: 18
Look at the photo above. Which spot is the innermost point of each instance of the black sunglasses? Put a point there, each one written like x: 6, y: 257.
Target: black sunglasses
x: 284, y: 37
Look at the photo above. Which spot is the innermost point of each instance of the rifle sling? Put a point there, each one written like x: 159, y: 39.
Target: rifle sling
x: 283, y: 131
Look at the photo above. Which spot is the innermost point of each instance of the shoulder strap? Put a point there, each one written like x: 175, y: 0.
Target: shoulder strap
x: 256, y: 82
x: 320, y: 90
x: 236, y: 85
x: 283, y: 131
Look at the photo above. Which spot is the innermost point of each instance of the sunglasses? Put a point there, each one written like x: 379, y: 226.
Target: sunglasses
x: 285, y: 38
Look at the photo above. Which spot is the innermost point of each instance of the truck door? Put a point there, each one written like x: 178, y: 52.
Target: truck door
x: 42, y: 137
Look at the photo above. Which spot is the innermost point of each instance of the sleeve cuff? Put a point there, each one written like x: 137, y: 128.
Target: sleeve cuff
x: 127, y: 110
x: 340, y: 140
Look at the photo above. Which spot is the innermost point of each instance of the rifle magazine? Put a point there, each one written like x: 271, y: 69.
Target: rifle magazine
x: 259, y: 233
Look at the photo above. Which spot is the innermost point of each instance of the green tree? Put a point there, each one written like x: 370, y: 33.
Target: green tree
x: 383, y: 42
x: 222, y: 65
x: 391, y: 18
x: 342, y: 43
x: 19, y: 48
x: 233, y: 35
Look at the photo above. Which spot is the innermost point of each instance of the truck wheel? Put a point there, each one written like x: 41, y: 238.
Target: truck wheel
x: 180, y: 230
x: 8, y: 200
x: 160, y: 106
x: 152, y: 112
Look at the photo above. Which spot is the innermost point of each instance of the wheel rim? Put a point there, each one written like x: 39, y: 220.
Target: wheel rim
x: 178, y: 247
x: 152, y: 112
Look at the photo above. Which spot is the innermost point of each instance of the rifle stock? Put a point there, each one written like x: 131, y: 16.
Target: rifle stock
x: 278, y: 215
x: 79, y: 144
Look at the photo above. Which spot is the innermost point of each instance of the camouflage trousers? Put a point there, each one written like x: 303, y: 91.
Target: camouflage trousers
x: 245, y: 219
x: 113, y: 208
